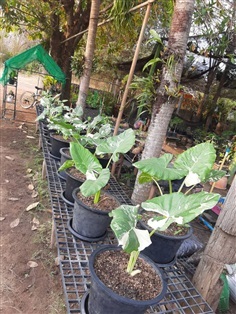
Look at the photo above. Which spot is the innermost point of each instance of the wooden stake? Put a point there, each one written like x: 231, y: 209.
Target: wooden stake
x: 131, y: 74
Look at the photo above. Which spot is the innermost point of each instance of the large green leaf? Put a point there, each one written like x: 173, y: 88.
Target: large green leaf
x: 84, y: 160
x: 158, y: 168
x: 93, y: 184
x: 196, y: 162
x: 114, y: 145
x: 179, y: 208
x: 124, y: 224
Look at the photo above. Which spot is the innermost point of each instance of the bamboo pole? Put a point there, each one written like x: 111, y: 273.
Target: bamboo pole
x: 133, y: 65
x: 220, y: 168
x: 131, y: 74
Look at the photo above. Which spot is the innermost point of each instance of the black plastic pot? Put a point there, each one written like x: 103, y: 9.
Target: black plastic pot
x: 71, y: 183
x: 89, y: 224
x: 163, y: 248
x: 103, y: 300
x: 56, y: 145
x: 64, y: 156
x: 103, y: 161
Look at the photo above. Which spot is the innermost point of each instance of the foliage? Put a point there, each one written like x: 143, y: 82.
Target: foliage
x: 144, y: 88
x: 220, y: 142
x: 52, y: 108
x: 49, y: 82
x: 194, y: 165
x: 94, y: 99
x: 87, y: 163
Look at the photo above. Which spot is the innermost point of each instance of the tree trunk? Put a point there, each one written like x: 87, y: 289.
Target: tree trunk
x: 168, y: 90
x: 77, y: 18
x: 219, y: 251
x: 89, y: 53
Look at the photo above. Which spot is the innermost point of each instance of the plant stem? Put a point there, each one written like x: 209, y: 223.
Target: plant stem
x: 96, y: 197
x: 180, y: 188
x: 170, y: 187
x: 193, y: 186
x: 132, y: 261
x: 158, y: 186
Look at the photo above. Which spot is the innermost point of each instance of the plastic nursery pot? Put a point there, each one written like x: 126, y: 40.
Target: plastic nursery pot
x: 65, y: 155
x: 102, y: 300
x: 57, y: 142
x: 72, y: 182
x: 164, y: 247
x: 103, y: 161
x: 88, y: 223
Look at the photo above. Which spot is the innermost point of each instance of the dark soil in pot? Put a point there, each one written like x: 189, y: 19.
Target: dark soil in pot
x: 173, y: 230
x: 90, y: 221
x: 110, y: 268
x: 114, y: 291
x: 106, y: 203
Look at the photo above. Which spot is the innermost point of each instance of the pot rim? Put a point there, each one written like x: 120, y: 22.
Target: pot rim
x: 95, y: 210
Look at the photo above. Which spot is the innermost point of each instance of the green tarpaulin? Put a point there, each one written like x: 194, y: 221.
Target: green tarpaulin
x: 35, y: 53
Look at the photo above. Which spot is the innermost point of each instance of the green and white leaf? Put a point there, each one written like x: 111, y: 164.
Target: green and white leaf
x: 196, y: 162
x: 179, y: 208
x: 123, y: 224
x: 95, y: 183
x: 115, y: 145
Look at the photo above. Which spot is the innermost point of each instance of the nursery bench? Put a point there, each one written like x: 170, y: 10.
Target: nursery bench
x: 182, y: 297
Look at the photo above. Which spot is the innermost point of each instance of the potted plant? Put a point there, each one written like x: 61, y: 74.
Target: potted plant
x: 86, y: 134
x: 176, y: 209
x: 124, y: 281
x: 92, y: 203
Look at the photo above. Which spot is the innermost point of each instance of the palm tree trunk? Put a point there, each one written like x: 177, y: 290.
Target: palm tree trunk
x: 89, y: 53
x: 167, y: 93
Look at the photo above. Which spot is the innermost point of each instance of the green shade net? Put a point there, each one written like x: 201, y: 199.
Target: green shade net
x: 35, y: 53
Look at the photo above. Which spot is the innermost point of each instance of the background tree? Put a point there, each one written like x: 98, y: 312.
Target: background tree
x: 89, y: 53
x: 168, y: 91
x: 51, y: 22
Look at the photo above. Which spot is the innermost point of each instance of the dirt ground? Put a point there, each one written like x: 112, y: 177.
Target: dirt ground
x: 24, y: 288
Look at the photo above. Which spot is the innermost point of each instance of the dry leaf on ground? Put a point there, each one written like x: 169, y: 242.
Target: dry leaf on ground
x: 15, y: 223
x: 9, y: 158
x: 34, y: 194
x: 36, y: 223
x: 30, y: 187
x: 32, y: 264
x: 32, y: 206
x: 13, y: 199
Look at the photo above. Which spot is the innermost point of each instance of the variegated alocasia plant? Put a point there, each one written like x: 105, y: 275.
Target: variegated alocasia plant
x: 195, y: 165
x: 132, y: 239
x: 87, y: 163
